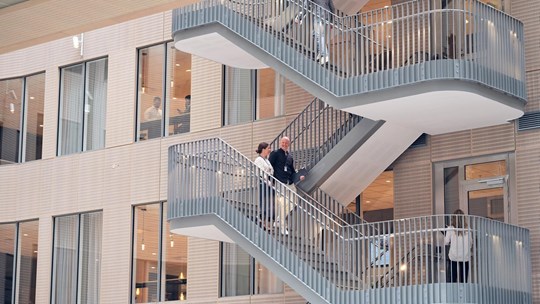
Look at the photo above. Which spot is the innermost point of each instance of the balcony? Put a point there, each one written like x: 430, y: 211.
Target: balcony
x: 430, y: 68
x: 214, y: 194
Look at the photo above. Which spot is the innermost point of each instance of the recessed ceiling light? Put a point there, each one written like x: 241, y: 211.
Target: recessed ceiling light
x: 178, y: 64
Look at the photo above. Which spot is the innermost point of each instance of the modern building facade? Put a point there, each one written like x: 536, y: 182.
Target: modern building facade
x: 125, y: 148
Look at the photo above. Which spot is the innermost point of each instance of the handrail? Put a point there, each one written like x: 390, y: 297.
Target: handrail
x: 211, y: 177
x: 459, y: 41
x: 315, y: 131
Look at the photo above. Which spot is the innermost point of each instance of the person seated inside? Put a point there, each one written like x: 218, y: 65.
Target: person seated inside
x: 154, y: 112
x: 184, y: 117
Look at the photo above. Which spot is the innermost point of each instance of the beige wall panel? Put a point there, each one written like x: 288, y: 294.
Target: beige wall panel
x: 145, y: 171
x: 90, y: 177
x: 528, y: 194
x: 533, y: 91
x: 528, y: 138
x: 296, y: 98
x: 206, y: 94
x: 64, y: 185
x: 291, y: 297
x: 121, y: 97
x: 267, y: 131
x: 24, y: 62
x: 115, y: 252
x: 9, y: 187
x: 528, y: 11
x: 268, y: 299
x: 240, y: 137
x: 28, y: 191
x: 117, y: 175
x: 493, y: 139
x: 412, y: 189
x: 235, y: 300
x: 203, y: 270
x: 451, y: 145
x: 416, y: 154
x: 44, y: 265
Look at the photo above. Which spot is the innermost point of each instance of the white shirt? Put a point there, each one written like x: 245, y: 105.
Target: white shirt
x: 152, y: 113
x: 265, y: 165
x: 460, y: 244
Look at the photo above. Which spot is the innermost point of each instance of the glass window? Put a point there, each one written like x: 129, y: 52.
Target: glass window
x: 151, y: 91
x: 239, y: 88
x: 179, y: 94
x: 377, y: 202
x: 235, y: 271
x: 270, y: 93
x: 27, y: 262
x: 174, y: 252
x: 240, y: 274
x: 35, y: 96
x: 7, y: 254
x: 485, y: 170
x: 10, y: 119
x: 246, y: 88
x: 77, y: 258
x: 164, y: 91
x: 83, y: 98
x: 159, y: 257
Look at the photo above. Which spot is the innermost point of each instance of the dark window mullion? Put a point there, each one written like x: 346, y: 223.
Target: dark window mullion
x: 164, y: 91
x: 255, y: 94
x: 15, y: 263
x: 78, y: 270
x: 160, y: 254
x: 83, y: 116
x: 22, y: 126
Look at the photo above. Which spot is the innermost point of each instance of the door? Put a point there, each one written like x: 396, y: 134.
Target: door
x: 480, y: 186
x: 486, y: 198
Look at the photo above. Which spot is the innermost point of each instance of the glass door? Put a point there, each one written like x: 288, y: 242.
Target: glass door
x: 486, y: 199
x: 479, y: 186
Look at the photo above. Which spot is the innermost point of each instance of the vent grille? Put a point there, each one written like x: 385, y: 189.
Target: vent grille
x: 529, y: 121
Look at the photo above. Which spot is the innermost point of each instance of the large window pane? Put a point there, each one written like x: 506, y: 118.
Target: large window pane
x: 239, y: 95
x: 265, y: 281
x: 71, y: 110
x: 27, y: 260
x: 178, y: 91
x: 235, y: 271
x: 90, y: 257
x: 150, y: 88
x: 7, y: 252
x: 35, y: 96
x: 65, y: 259
x: 10, y: 119
x: 174, y: 252
x: 270, y: 93
x: 95, y: 104
x: 146, y: 253
x: 77, y: 258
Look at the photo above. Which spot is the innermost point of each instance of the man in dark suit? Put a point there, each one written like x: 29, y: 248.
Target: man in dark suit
x: 283, y: 164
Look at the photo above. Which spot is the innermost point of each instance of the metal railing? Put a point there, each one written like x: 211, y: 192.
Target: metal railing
x: 388, y: 47
x: 316, y: 131
x: 336, y: 260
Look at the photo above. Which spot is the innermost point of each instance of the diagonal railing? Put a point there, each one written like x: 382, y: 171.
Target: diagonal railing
x: 335, y: 261
x: 316, y: 131
x: 393, y: 46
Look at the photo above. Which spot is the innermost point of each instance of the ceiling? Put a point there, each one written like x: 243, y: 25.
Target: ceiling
x: 37, y: 21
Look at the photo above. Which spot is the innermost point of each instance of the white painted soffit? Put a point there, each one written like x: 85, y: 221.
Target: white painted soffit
x: 215, y: 47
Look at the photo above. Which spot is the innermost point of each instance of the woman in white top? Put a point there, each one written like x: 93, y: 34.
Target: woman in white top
x: 459, y: 238
x: 266, y: 191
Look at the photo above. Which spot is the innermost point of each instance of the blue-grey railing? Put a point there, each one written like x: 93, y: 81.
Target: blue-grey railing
x: 316, y: 131
x: 388, y: 47
x: 337, y: 261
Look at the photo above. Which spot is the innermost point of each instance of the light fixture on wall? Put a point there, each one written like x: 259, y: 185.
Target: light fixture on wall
x: 142, y: 243
x: 172, y: 241
x: 78, y: 43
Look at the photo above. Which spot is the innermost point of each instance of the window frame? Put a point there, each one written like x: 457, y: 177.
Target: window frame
x: 84, y: 122
x: 21, y: 146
